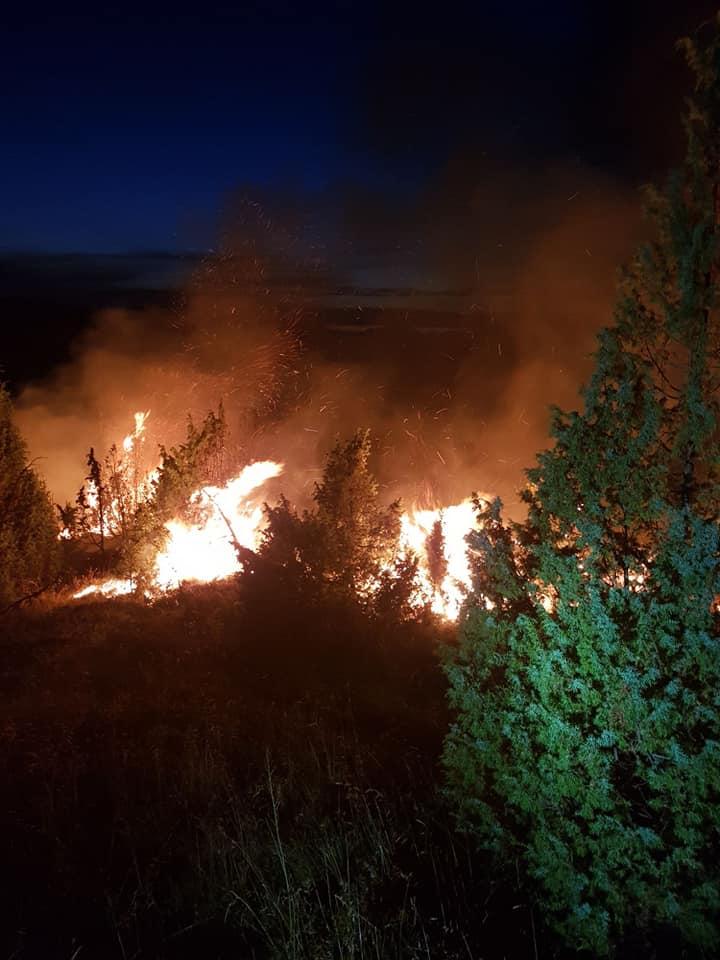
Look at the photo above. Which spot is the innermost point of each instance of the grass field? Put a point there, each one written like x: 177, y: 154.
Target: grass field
x: 214, y: 775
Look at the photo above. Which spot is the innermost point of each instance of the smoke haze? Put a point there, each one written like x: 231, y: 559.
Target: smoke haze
x: 447, y: 323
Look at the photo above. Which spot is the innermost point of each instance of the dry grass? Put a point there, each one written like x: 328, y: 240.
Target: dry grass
x: 200, y: 778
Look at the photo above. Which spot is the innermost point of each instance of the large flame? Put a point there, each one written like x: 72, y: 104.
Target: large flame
x: 226, y: 517
x: 108, y: 588
x: 446, y: 592
x: 131, y: 440
x: 206, y: 550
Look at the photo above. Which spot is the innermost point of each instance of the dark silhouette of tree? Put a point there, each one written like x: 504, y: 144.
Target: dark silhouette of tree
x: 28, y: 528
x: 435, y: 549
x: 92, y: 503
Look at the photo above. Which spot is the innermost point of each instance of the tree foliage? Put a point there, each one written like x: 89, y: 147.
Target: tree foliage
x: 198, y: 460
x: 345, y: 546
x: 123, y: 506
x: 586, y: 682
x: 107, y: 503
x: 28, y: 529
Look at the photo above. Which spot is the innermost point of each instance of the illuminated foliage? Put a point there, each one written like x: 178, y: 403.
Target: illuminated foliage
x: 183, y: 468
x: 107, y: 503
x: 28, y: 530
x: 344, y: 545
x: 587, y: 734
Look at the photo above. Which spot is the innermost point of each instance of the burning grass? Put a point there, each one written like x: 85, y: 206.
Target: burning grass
x: 212, y: 526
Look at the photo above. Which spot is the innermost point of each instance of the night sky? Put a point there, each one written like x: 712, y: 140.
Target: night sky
x: 128, y: 130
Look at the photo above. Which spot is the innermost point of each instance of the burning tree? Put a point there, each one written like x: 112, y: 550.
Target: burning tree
x: 28, y: 531
x: 347, y: 544
x: 587, y: 738
x: 106, y: 505
x: 182, y: 470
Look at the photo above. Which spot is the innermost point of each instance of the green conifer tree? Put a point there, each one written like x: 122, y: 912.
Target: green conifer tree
x: 586, y: 683
x: 28, y: 528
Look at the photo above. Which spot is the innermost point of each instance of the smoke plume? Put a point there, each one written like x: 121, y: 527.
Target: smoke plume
x: 447, y: 323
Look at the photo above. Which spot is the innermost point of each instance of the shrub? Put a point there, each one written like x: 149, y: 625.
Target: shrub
x: 345, y: 546
x: 28, y: 529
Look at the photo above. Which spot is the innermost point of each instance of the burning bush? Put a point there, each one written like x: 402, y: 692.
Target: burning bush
x: 182, y: 470
x: 348, y: 540
x: 136, y: 513
x: 28, y: 531
x: 184, y: 521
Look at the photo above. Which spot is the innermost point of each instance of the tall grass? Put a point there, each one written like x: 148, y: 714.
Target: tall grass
x: 182, y: 781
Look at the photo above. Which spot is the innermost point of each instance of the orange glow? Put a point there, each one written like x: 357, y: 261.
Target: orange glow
x: 108, y: 588
x: 456, y: 521
x: 204, y: 550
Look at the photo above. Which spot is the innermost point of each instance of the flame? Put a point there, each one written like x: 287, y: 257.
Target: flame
x: 447, y: 593
x: 131, y: 439
x: 108, y: 588
x: 204, y: 549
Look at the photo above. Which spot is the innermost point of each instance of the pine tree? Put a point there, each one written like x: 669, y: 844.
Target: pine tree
x: 586, y: 683
x: 28, y: 529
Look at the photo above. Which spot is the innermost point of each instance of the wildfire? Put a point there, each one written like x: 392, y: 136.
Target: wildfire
x: 437, y: 538
x: 205, y: 550
x: 223, y: 518
x: 130, y: 441
x: 108, y: 588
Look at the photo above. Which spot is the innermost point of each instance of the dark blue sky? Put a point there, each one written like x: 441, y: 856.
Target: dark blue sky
x: 127, y: 130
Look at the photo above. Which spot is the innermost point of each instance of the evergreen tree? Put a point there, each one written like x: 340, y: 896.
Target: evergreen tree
x: 345, y: 544
x: 586, y: 683
x: 183, y: 469
x: 91, y: 504
x: 435, y: 551
x: 28, y: 529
